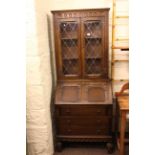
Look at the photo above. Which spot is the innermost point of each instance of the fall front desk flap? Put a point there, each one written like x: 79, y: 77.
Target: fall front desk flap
x: 84, y: 93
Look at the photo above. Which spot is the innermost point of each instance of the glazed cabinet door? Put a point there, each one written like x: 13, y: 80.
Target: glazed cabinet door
x: 68, y: 55
x: 94, y: 39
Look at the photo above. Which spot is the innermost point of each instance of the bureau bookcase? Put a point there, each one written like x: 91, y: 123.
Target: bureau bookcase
x: 83, y: 97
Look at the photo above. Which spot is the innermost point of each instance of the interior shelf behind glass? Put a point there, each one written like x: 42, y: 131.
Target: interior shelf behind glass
x: 68, y: 29
x: 70, y: 67
x: 93, y: 48
x: 93, y: 66
x: 93, y: 29
x: 70, y: 49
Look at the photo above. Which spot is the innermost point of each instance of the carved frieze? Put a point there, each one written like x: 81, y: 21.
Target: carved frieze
x: 74, y: 14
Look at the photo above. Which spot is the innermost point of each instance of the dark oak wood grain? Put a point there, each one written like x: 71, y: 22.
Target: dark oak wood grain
x: 83, y: 96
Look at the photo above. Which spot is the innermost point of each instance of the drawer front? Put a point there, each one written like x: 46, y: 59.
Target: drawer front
x: 83, y: 130
x: 84, y: 125
x: 84, y: 110
x: 84, y: 121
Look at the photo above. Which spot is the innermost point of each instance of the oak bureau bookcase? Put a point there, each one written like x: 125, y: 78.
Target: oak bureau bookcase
x: 83, y: 97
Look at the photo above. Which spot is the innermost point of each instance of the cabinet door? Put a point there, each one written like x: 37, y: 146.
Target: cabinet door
x: 94, y: 43
x: 69, y: 65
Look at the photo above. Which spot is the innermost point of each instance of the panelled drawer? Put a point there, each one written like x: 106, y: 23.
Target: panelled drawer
x: 83, y: 110
x: 83, y: 130
x: 84, y: 125
x: 84, y: 121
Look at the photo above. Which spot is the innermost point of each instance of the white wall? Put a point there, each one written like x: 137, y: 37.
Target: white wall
x: 76, y: 4
x: 39, y: 80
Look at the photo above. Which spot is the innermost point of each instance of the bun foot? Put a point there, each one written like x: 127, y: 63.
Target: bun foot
x: 59, y: 146
x: 110, y: 148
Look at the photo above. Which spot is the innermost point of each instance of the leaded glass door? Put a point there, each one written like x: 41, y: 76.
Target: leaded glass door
x: 70, y: 48
x: 93, y: 47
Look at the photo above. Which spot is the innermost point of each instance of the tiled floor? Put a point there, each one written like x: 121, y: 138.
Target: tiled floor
x: 87, y: 149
